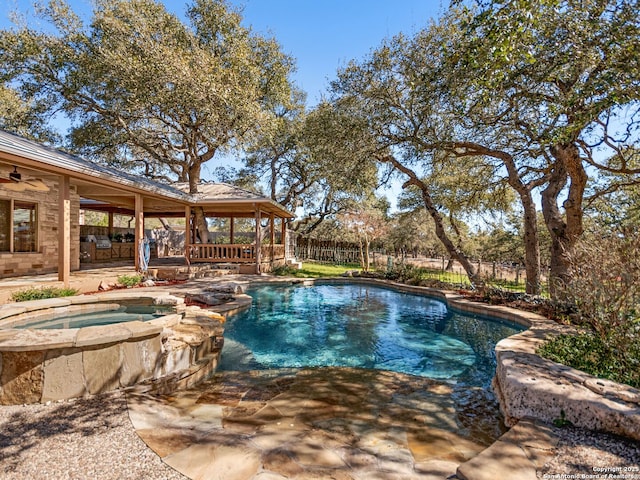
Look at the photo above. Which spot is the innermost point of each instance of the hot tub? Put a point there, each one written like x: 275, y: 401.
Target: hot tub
x: 41, y: 365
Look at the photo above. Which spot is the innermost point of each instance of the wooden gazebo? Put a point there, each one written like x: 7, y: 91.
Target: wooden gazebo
x: 220, y: 201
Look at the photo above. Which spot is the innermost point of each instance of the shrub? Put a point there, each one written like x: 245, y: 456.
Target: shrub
x: 604, y: 293
x: 41, y: 293
x: 130, y: 280
x: 590, y: 353
x: 401, y: 272
x: 426, y: 277
x: 285, y: 271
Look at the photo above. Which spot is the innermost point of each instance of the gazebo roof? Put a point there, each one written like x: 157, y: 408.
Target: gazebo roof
x: 220, y: 199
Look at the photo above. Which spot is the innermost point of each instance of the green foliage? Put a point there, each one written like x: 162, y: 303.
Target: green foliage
x: 23, y: 116
x: 41, y: 293
x: 595, y: 355
x: 130, y: 280
x: 524, y: 93
x: 145, y: 88
x: 604, y: 293
x: 412, y: 275
x: 562, y: 421
x: 314, y: 270
x: 285, y: 271
x: 571, y: 69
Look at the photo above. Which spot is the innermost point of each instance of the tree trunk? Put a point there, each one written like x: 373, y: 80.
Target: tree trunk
x: 530, y: 227
x: 530, y: 223
x: 457, y: 254
x: 164, y: 223
x: 367, y: 257
x: 202, y: 229
x: 531, y: 246
x: 565, y: 230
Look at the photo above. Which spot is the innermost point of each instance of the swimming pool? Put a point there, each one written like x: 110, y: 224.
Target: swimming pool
x: 357, y: 325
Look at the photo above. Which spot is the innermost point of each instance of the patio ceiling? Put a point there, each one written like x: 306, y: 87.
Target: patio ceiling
x: 217, y: 200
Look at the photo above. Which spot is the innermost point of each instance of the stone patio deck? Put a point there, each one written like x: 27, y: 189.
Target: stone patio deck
x: 311, y: 423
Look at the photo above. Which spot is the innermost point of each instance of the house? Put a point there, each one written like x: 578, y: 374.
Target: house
x: 42, y: 191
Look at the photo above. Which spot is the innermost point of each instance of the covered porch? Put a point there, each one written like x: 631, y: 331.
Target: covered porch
x: 245, y: 229
x: 43, y: 190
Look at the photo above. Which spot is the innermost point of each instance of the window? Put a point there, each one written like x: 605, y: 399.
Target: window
x: 18, y: 226
x: 5, y: 225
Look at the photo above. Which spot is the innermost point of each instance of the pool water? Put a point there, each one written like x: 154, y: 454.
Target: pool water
x: 362, y: 326
x: 108, y: 314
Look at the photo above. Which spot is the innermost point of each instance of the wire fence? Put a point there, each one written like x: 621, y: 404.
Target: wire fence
x: 505, y: 276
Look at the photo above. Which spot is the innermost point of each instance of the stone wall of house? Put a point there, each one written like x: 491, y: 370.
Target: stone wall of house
x: 45, y: 260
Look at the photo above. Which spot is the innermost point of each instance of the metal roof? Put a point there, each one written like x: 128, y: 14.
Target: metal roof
x: 219, y: 196
x: 28, y: 149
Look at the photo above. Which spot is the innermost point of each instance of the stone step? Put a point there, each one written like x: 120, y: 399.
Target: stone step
x: 516, y: 455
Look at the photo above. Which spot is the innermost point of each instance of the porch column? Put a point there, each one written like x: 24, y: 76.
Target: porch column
x: 138, y: 230
x: 110, y: 225
x: 187, y: 234
x: 258, y: 242
x: 64, y: 231
x: 283, y: 236
x: 272, y: 226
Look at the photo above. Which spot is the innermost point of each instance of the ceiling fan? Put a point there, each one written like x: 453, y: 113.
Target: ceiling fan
x: 16, y: 183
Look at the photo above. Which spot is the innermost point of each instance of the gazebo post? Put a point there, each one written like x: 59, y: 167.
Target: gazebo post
x: 273, y: 235
x: 110, y: 225
x: 283, y: 237
x: 231, y: 230
x: 138, y: 229
x: 187, y: 234
x: 258, y: 241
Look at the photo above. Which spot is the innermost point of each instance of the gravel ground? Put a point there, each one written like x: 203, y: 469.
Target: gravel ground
x: 94, y: 439
x: 78, y: 439
x: 585, y: 454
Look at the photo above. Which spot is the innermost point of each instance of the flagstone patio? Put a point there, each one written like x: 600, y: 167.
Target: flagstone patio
x: 309, y: 423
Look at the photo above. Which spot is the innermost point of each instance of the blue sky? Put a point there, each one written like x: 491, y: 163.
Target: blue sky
x: 322, y: 35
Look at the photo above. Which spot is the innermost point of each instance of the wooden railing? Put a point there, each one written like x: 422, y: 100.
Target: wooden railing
x: 234, y: 253
x: 219, y: 252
